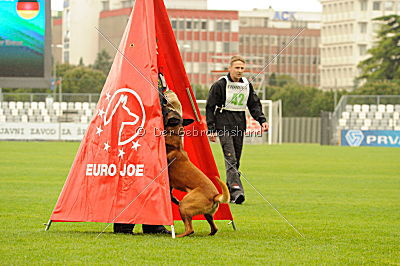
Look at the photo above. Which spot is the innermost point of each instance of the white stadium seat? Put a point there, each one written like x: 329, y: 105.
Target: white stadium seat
x: 365, y: 108
x: 64, y: 106
x: 85, y: 105
x: 381, y: 108
x: 42, y: 105
x: 346, y: 115
x: 390, y: 108
x: 78, y: 106
x: 357, y: 108
x: 378, y: 115
x: 20, y: 105
x: 24, y: 119
x: 34, y: 105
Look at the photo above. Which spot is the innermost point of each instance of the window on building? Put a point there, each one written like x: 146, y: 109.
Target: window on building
x: 363, y: 5
x: 227, y: 26
x: 363, y: 27
x: 203, y: 46
x: 127, y: 3
x: 189, y: 25
x: 211, y: 47
x: 389, y: 5
x: 362, y: 49
x: 173, y: 24
x: 196, y: 25
x: 181, y: 25
x: 234, y: 47
x: 106, y: 5
x: 226, y: 47
x: 204, y: 25
x: 219, y: 25
x: 376, y: 5
x: 265, y: 22
x: 66, y: 57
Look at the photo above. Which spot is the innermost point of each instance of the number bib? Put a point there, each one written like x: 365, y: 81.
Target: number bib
x: 237, y: 94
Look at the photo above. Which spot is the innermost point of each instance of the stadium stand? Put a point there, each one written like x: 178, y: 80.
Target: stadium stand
x: 370, y: 117
x: 46, y: 112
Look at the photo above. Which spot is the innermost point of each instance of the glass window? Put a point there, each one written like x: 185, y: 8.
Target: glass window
x: 389, y: 5
x: 173, y: 24
x: 234, y: 47
x: 66, y: 57
x: 219, y: 25
x: 204, y: 25
x: 181, y: 24
x: 196, y: 25
x: 226, y: 47
x: 363, y: 5
x: 227, y: 26
x: 189, y: 25
x: 376, y: 5
x: 363, y: 27
x: 362, y: 49
x: 106, y: 5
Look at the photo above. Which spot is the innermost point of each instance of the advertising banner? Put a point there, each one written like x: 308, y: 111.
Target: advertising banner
x: 382, y: 138
x: 42, y: 131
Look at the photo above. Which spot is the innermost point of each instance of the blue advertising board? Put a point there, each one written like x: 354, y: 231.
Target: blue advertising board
x: 24, y: 43
x: 380, y: 138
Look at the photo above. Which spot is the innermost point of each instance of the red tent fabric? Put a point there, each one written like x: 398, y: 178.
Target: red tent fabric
x: 195, y: 142
x: 120, y: 171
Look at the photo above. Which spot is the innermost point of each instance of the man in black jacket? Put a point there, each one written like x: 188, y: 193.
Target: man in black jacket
x: 226, y: 118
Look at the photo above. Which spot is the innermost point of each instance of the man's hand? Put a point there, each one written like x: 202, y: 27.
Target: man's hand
x: 212, y: 137
x: 265, y: 126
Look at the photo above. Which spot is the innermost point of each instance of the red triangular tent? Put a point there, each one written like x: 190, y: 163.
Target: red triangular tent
x: 120, y: 171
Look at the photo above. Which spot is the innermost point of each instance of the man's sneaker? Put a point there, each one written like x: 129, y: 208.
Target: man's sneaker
x: 238, y: 198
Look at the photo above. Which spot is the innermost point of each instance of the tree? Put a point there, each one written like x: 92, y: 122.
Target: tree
x: 384, y: 62
x: 83, y: 80
x: 103, y: 62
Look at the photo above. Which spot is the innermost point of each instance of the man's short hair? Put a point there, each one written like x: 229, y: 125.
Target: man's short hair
x: 237, y: 58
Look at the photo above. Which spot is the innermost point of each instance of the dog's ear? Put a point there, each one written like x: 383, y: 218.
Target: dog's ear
x: 187, y: 122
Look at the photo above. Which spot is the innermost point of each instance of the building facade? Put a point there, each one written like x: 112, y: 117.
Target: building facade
x: 206, y: 38
x: 347, y: 32
x: 81, y: 21
x: 281, y: 42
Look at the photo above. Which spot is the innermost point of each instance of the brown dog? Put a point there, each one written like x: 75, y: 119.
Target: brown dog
x: 203, y: 197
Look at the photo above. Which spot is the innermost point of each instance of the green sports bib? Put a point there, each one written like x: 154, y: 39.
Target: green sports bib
x: 237, y: 94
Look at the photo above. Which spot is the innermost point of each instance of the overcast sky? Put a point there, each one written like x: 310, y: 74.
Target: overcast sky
x: 282, y: 5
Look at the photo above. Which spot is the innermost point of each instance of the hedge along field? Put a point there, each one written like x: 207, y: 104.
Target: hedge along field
x: 345, y: 201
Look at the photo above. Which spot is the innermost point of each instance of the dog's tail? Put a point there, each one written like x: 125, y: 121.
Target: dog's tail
x: 225, y: 196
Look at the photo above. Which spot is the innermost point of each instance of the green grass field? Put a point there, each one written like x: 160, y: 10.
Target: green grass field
x: 346, y: 202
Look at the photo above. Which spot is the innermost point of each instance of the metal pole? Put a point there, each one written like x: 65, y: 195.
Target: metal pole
x: 60, y: 91
x: 48, y: 225
x: 233, y: 225
x: 192, y: 103
x: 173, y: 231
